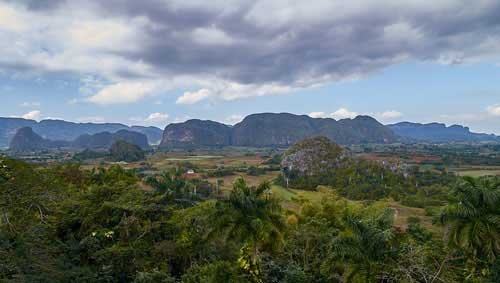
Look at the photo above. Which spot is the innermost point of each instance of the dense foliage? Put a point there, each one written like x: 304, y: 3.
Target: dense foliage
x: 318, y: 161
x: 124, y: 151
x: 64, y: 224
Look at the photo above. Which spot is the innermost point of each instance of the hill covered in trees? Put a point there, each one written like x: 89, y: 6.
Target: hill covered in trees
x: 105, y: 140
x: 68, y: 131
x: 123, y: 151
x: 26, y: 140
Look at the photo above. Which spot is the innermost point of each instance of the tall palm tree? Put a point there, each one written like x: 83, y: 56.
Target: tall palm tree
x: 472, y: 220
x: 252, y: 217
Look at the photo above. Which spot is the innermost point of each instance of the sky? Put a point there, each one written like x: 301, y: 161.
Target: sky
x: 155, y: 62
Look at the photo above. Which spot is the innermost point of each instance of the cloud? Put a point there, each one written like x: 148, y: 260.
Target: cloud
x: 32, y: 115
x: 194, y: 97
x: 11, y: 20
x: 211, y: 36
x: 52, y: 118
x: 246, y: 49
x: 318, y: 115
x: 155, y: 118
x: 103, y: 34
x: 343, y: 113
x: 123, y: 92
x: 391, y: 114
x: 231, y: 91
x: 233, y: 119
x: 494, y: 110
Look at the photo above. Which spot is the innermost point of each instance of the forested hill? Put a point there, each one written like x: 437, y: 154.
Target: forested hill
x: 276, y: 129
x: 437, y: 132
x: 68, y: 131
x: 26, y: 140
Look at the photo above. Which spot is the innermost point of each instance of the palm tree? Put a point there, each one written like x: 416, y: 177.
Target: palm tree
x: 364, y: 243
x: 473, y: 221
x: 252, y: 217
x: 166, y: 183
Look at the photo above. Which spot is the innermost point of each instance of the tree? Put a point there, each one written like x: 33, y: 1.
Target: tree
x: 364, y: 243
x: 472, y: 222
x: 166, y: 183
x: 252, y: 217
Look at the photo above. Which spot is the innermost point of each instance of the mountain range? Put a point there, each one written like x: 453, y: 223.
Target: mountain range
x: 26, y: 140
x: 276, y: 129
x: 439, y: 133
x: 264, y: 129
x: 68, y: 131
x: 285, y: 129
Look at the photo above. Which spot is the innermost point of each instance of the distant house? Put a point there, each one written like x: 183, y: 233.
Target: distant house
x: 190, y: 175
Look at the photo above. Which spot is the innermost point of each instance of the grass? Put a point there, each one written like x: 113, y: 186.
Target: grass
x: 476, y: 170
x: 194, y: 158
x: 478, y: 173
x: 163, y: 161
x: 402, y: 213
x: 290, y: 197
x: 251, y: 180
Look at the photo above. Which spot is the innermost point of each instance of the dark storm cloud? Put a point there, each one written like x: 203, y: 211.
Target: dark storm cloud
x: 242, y: 41
x: 310, y: 49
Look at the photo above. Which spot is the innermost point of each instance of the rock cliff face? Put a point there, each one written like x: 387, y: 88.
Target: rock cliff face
x: 270, y: 129
x: 313, y: 156
x: 362, y: 129
x: 196, y: 133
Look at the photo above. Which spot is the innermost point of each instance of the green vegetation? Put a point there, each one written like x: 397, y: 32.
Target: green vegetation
x: 463, y: 158
x: 62, y: 223
x: 89, y: 154
x: 233, y: 216
x: 318, y: 161
x: 124, y: 151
